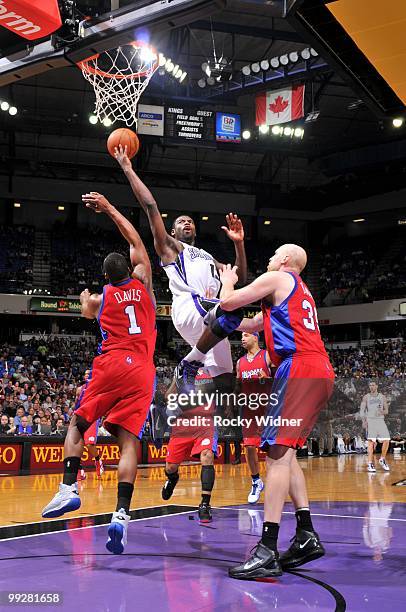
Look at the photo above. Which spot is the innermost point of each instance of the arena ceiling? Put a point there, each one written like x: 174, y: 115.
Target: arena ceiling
x: 350, y: 151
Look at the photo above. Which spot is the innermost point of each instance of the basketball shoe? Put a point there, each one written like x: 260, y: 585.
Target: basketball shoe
x: 383, y: 464
x: 169, y: 487
x: 66, y: 500
x: 204, y: 513
x: 306, y: 546
x: 371, y: 467
x: 117, y: 532
x: 254, y: 495
x: 263, y: 563
x: 185, y: 374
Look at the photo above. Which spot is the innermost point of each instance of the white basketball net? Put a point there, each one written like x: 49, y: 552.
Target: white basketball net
x: 119, y: 77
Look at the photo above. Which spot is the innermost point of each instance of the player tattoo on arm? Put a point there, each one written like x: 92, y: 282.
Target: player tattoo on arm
x: 165, y: 245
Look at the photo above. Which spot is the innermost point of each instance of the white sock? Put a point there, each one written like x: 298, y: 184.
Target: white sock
x: 195, y: 355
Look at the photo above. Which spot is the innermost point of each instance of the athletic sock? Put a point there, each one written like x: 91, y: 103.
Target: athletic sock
x: 270, y: 532
x: 255, y: 477
x: 206, y: 498
x: 195, y: 355
x: 124, y: 495
x: 303, y: 519
x: 70, y: 470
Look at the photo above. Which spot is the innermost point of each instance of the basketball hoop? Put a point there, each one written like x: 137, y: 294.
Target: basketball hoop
x: 119, y: 77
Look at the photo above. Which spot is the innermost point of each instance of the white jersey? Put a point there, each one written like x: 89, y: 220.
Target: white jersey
x: 374, y: 406
x: 194, y: 271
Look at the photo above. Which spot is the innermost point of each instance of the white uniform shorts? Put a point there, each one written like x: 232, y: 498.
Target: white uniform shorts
x: 190, y: 316
x: 377, y: 430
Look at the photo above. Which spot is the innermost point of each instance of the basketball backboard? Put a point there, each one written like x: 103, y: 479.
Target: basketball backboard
x: 120, y: 24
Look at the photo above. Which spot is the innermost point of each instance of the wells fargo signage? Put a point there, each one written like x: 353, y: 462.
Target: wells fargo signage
x: 51, y: 455
x: 156, y: 455
x: 10, y: 457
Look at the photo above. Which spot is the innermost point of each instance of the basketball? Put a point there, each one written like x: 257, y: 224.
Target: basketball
x: 125, y: 138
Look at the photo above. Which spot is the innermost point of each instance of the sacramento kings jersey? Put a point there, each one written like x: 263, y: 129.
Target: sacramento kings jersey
x: 292, y: 326
x: 194, y: 271
x: 127, y: 319
x: 374, y: 405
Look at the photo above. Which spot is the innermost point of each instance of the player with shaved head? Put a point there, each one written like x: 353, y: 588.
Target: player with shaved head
x: 302, y: 386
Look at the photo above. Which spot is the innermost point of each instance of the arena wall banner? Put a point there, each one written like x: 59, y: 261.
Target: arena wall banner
x: 48, y: 456
x: 261, y: 454
x: 10, y: 457
x: 155, y: 455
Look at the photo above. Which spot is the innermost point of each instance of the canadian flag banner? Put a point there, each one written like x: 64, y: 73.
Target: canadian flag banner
x: 281, y: 106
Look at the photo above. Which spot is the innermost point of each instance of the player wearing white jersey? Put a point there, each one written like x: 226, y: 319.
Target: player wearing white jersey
x: 373, y: 409
x: 194, y: 282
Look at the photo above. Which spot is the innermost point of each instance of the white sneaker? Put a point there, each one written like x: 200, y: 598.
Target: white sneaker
x: 118, y: 532
x: 66, y: 500
x: 255, y: 492
x: 371, y: 467
x: 384, y: 465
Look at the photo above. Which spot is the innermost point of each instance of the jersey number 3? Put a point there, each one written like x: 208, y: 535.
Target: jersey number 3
x: 311, y: 321
x: 134, y: 328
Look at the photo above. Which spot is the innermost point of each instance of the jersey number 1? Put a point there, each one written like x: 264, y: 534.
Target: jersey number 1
x: 134, y: 328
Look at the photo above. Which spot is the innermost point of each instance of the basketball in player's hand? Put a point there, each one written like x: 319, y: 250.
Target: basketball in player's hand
x: 125, y: 138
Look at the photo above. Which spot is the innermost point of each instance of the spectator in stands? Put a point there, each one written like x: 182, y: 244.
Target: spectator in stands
x: 24, y: 429
x: 19, y: 415
x: 4, y: 425
x: 11, y: 425
x: 59, y: 428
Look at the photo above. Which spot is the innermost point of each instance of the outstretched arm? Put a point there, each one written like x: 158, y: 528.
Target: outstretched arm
x: 138, y: 254
x: 165, y: 245
x: 231, y: 299
x: 235, y: 231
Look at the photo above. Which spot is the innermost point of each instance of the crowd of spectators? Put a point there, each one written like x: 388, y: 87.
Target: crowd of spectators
x: 346, y: 269
x: 16, y: 258
x: 39, y: 380
x: 77, y: 255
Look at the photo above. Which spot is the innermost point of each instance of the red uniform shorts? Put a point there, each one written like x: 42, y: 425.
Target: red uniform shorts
x: 301, y: 389
x: 120, y: 387
x: 181, y: 448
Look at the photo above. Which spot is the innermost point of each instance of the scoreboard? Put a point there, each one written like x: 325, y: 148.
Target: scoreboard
x: 190, y: 123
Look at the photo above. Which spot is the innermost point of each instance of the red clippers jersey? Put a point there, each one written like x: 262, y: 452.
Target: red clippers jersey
x: 292, y: 327
x: 127, y: 319
x: 257, y: 368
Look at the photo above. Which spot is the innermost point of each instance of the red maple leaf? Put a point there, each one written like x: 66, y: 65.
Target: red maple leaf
x: 279, y: 105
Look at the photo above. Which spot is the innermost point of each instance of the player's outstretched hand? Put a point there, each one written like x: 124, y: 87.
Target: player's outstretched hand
x: 96, y: 201
x: 121, y: 156
x: 85, y: 295
x: 229, y: 274
x: 235, y: 229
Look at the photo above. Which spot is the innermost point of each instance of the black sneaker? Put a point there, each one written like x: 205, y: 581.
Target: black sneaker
x: 305, y: 547
x: 205, y: 513
x: 169, y: 488
x: 185, y: 374
x: 264, y: 563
